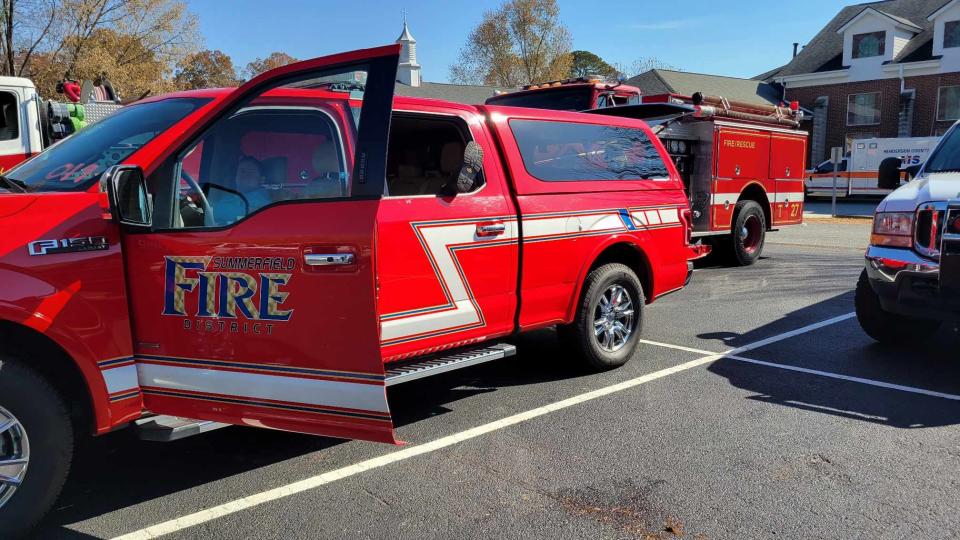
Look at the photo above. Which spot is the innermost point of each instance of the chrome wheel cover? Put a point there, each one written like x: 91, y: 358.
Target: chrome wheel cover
x: 613, y: 320
x: 14, y: 455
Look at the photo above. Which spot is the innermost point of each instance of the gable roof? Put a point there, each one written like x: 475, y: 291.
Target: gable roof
x: 901, y: 21
x: 458, y: 93
x: 665, y: 81
x: 823, y: 51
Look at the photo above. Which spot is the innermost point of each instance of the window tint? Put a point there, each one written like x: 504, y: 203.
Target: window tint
x: 863, y: 109
x: 564, y: 152
x: 260, y: 156
x: 9, y: 119
x: 425, y: 155
x: 946, y: 156
x: 868, y: 45
x: 77, y: 162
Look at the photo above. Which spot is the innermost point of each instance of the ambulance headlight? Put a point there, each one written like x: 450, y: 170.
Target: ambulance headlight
x: 892, y: 229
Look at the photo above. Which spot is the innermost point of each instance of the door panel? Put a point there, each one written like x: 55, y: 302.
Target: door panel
x: 447, y: 264
x: 787, y: 156
x: 253, y: 297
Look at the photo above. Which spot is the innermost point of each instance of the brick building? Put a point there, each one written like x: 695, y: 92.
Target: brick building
x: 880, y: 69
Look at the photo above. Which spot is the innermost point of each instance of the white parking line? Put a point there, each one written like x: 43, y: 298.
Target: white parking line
x: 245, y: 503
x: 850, y: 378
x: 732, y: 355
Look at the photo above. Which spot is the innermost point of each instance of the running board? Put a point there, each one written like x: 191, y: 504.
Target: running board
x: 163, y: 428
x: 418, y: 369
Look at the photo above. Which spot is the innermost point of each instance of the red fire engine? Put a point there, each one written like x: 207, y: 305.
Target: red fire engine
x: 279, y: 254
x: 742, y: 164
x: 576, y: 94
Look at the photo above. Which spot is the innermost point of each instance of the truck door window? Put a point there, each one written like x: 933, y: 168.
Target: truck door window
x: 9, y: 119
x: 425, y: 154
x: 569, y: 152
x: 260, y: 156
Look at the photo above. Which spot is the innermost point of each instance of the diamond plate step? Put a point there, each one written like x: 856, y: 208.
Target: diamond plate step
x: 418, y: 369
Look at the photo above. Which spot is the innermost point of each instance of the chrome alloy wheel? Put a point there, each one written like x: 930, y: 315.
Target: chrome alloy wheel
x: 14, y: 454
x: 613, y: 318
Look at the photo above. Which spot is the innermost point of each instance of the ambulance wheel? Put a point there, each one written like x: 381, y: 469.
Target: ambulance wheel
x: 36, y: 448
x: 749, y: 232
x: 883, y: 326
x: 609, y: 318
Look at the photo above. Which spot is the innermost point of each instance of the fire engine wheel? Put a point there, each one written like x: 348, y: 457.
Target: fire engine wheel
x: 749, y: 232
x: 36, y: 448
x: 883, y: 326
x: 607, y: 325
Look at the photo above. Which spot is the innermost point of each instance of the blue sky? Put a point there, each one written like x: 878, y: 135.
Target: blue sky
x: 740, y: 38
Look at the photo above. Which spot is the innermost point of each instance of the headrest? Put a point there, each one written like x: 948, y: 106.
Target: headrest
x: 451, y: 157
x: 325, y: 158
x: 274, y: 170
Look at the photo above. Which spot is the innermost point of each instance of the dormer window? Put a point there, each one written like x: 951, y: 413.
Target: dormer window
x: 951, y: 34
x: 869, y: 44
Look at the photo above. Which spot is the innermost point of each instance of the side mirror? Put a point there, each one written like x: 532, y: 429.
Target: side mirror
x: 126, y: 188
x: 888, y: 175
x: 471, y: 168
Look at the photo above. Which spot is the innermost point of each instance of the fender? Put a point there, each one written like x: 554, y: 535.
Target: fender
x: 629, y: 240
x: 36, y: 304
x: 767, y: 206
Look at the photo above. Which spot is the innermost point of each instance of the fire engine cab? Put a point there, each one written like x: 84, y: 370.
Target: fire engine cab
x: 575, y: 94
x: 742, y: 164
x: 280, y: 254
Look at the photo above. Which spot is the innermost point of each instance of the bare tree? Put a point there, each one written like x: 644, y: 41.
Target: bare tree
x: 274, y: 60
x: 642, y: 65
x: 521, y: 42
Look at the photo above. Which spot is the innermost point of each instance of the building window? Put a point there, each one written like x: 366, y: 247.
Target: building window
x: 863, y: 109
x: 948, y: 103
x: 951, y: 34
x: 871, y: 44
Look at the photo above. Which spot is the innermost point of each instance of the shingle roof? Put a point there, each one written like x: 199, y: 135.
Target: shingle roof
x: 664, y: 81
x: 821, y: 53
x: 458, y: 93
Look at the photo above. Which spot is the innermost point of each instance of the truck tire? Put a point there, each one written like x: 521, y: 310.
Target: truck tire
x: 883, y: 326
x: 748, y: 233
x: 34, y: 426
x: 612, y: 304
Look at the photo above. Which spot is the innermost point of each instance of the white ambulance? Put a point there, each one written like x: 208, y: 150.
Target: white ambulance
x: 859, y: 172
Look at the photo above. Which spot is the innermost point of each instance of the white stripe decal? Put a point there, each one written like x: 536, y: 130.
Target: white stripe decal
x: 792, y: 196
x: 441, y: 240
x: 120, y: 378
x: 724, y: 198
x: 368, y: 397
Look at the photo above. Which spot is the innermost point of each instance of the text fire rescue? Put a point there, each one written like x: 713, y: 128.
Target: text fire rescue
x: 222, y: 292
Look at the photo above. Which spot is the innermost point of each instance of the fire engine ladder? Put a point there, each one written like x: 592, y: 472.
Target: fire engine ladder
x: 419, y: 368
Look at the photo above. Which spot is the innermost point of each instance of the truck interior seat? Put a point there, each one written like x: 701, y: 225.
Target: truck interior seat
x: 326, y: 170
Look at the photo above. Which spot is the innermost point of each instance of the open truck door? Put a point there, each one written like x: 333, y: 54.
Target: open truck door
x: 252, y: 288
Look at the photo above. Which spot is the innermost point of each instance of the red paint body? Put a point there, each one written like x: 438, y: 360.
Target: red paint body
x: 423, y: 278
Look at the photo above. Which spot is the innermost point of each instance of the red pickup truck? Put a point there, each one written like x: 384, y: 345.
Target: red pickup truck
x: 278, y: 255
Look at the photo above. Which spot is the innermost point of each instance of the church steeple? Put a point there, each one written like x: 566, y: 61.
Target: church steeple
x: 408, y: 72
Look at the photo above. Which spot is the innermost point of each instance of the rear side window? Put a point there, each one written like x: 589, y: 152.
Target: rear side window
x: 570, y: 152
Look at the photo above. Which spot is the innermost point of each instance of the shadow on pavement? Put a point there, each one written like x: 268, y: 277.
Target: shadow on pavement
x: 118, y: 470
x: 843, y: 349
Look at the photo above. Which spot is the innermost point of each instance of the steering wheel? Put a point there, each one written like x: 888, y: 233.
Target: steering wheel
x: 208, y: 218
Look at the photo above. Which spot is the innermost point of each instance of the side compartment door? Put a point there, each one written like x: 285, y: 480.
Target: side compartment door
x: 253, y: 294
x: 742, y: 159
x: 787, y: 156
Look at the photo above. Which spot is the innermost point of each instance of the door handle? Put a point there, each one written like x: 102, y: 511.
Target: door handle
x: 491, y: 229
x: 328, y: 259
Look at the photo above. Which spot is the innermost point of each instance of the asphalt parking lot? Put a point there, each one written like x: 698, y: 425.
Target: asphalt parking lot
x: 755, y: 409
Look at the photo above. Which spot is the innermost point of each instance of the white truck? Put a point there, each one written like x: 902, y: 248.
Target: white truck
x: 911, y: 281
x: 28, y: 124
x: 860, y: 171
